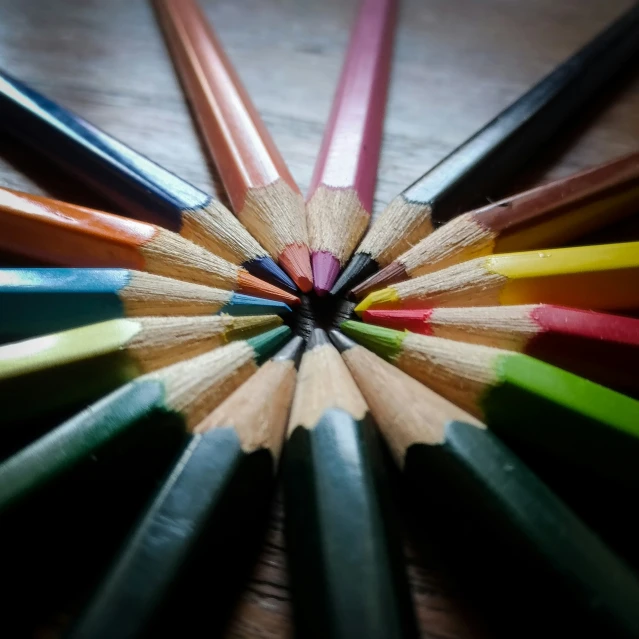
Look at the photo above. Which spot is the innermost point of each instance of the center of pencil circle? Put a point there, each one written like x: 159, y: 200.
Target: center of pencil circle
x: 325, y: 312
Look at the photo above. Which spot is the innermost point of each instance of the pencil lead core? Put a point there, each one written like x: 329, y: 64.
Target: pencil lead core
x: 265, y: 344
x: 360, y: 267
x: 340, y: 341
x: 266, y: 269
x: 386, y: 342
x: 296, y: 261
x: 326, y: 268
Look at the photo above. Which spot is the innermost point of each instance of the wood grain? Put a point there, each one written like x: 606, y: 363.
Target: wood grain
x: 457, y: 63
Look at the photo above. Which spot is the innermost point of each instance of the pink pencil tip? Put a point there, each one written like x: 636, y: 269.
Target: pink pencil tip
x: 326, y: 268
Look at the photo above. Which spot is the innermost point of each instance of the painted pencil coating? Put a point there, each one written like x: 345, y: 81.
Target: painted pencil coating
x: 486, y: 159
x: 141, y: 187
x: 340, y: 198
x: 262, y: 191
x: 544, y: 217
x: 601, y: 277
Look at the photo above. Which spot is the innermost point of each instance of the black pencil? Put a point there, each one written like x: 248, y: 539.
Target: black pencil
x: 345, y: 562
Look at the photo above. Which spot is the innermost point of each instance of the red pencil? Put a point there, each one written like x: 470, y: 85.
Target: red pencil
x: 340, y: 198
x: 603, y: 348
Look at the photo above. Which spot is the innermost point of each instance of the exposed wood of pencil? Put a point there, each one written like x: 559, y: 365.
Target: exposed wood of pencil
x: 490, y: 156
x: 134, y: 182
x: 601, y: 277
x: 438, y: 445
x: 61, y: 233
x: 230, y: 459
x: 340, y: 198
x: 261, y: 189
x: 335, y: 497
x: 547, y: 216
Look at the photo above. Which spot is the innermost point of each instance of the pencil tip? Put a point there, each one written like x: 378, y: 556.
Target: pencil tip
x: 251, y: 285
x: 340, y: 341
x: 296, y: 261
x: 394, y: 272
x: 266, y: 344
x: 266, y: 269
x: 318, y: 338
x: 361, y: 266
x: 240, y: 304
x: 386, y: 342
x: 292, y: 351
x: 326, y: 268
x: 386, y: 297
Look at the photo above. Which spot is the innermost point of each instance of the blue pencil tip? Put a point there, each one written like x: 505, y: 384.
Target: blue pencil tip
x: 240, y: 304
x: 266, y: 269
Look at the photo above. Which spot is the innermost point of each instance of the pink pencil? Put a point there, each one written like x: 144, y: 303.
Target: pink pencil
x: 340, y: 198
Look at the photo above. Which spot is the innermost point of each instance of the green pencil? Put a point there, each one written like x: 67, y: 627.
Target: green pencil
x: 522, y: 399
x: 461, y: 472
x: 187, y: 549
x: 44, y: 374
x: 165, y: 404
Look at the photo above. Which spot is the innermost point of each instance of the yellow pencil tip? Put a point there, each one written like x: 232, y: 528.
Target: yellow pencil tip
x: 386, y: 297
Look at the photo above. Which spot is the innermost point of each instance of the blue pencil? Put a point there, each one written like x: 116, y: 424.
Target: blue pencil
x: 35, y: 301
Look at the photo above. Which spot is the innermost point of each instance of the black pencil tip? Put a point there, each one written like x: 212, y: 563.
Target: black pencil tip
x: 340, y: 341
x: 266, y: 269
x: 318, y: 338
x: 292, y: 351
x: 357, y: 270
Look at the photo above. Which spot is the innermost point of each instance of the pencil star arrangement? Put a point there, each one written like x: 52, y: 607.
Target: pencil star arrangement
x: 601, y: 347
x: 602, y: 277
x: 231, y: 457
x: 340, y: 198
x: 520, y: 397
x: 547, y: 216
x: 64, y: 234
x: 346, y: 576
x: 468, y: 175
x: 83, y: 363
x: 262, y: 191
x: 77, y: 296
x: 144, y: 189
x: 461, y: 472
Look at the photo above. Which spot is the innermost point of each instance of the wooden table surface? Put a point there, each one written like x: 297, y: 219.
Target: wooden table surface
x: 457, y: 63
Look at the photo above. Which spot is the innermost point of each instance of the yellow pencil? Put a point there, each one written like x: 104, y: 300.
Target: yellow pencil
x: 603, y: 277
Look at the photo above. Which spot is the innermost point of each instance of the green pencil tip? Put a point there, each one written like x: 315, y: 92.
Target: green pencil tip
x: 386, y: 342
x: 267, y: 343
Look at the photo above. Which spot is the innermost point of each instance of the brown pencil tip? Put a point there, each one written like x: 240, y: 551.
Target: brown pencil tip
x: 394, y: 272
x: 251, y: 285
x: 296, y: 261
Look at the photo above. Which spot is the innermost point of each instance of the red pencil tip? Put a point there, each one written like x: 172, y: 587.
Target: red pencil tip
x: 251, y: 285
x: 295, y: 260
x: 326, y: 268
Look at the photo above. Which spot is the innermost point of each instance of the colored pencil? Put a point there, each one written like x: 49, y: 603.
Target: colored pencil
x: 56, y: 232
x: 227, y: 470
x: 262, y: 191
x: 141, y: 187
x: 169, y: 401
x: 46, y: 373
x: 77, y: 296
x: 547, y: 216
x: 455, y: 464
x: 520, y: 397
x: 347, y: 578
x: 602, y: 277
x: 340, y: 199
x: 483, y: 162
x: 600, y: 347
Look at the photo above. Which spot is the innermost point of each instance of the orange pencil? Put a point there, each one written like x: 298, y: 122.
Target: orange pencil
x: 64, y: 234
x: 262, y: 191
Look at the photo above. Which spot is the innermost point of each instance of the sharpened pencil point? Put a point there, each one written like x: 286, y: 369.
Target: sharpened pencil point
x: 251, y: 285
x: 386, y: 342
x: 360, y: 267
x: 394, y: 272
x: 239, y: 304
x: 266, y: 269
x: 267, y: 343
x: 326, y: 268
x: 296, y: 261
x: 340, y: 341
x: 383, y: 298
